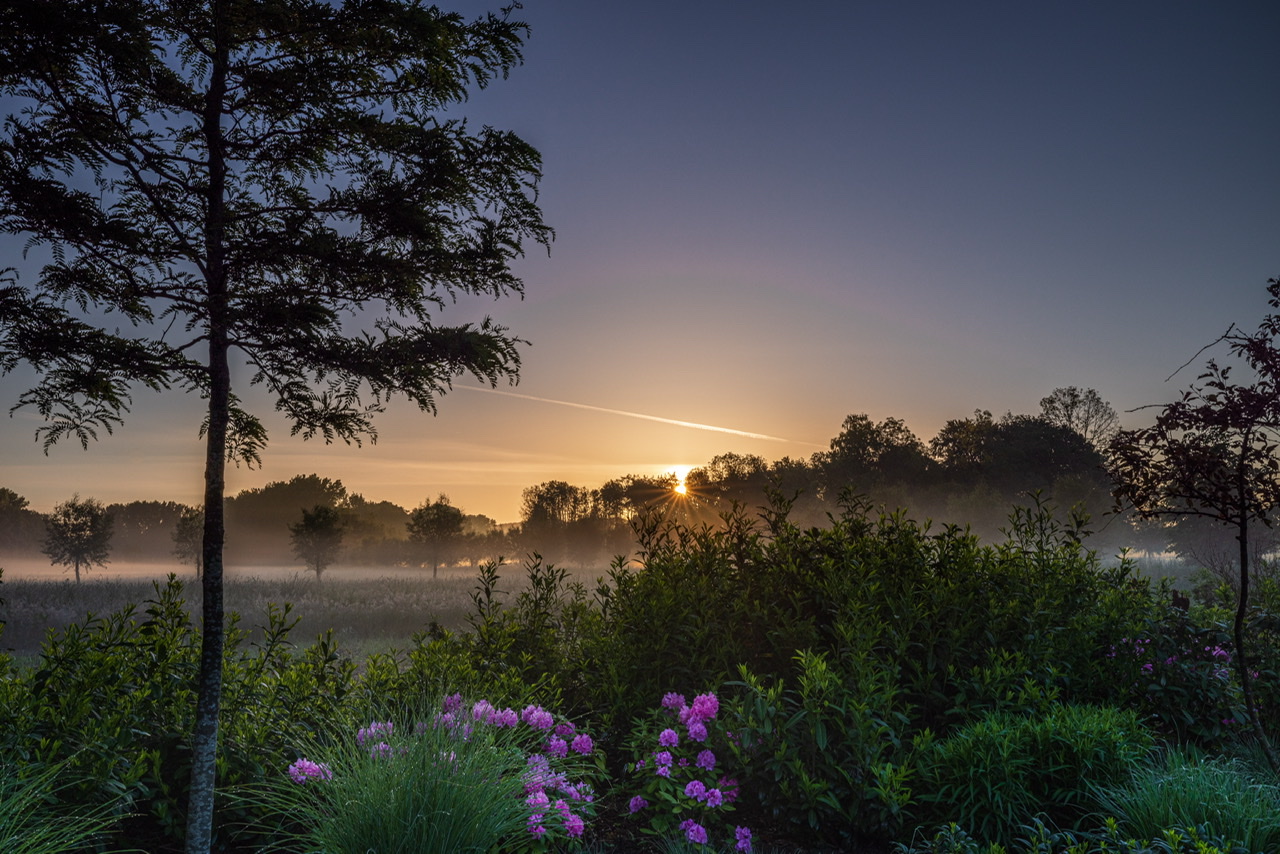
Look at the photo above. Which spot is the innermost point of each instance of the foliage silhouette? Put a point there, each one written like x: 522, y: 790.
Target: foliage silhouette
x: 78, y: 534
x: 264, y: 181
x: 1213, y: 454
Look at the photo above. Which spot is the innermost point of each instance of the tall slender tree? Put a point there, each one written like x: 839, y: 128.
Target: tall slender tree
x: 1215, y: 454
x: 281, y: 184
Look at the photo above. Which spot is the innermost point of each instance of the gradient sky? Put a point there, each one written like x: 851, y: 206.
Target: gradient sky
x: 768, y: 220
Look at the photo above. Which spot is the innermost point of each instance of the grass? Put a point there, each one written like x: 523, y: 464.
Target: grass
x: 369, y: 610
x: 1182, y: 788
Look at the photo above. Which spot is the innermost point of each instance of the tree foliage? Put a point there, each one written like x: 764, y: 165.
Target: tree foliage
x: 1084, y: 411
x: 317, y: 538
x: 1213, y: 454
x: 78, y: 534
x: 269, y: 182
x: 435, y: 527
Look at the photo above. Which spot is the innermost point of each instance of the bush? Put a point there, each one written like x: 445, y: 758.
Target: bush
x: 1004, y: 770
x: 1038, y: 839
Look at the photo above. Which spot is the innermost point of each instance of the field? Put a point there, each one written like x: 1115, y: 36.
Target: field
x: 368, y: 609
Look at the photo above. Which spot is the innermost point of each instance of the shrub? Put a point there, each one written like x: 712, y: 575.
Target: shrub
x: 1038, y: 839
x: 1003, y: 770
x: 29, y: 824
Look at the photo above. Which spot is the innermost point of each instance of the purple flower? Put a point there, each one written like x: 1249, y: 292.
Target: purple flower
x: 673, y: 701
x: 304, y: 770
x: 556, y: 747
x: 637, y: 803
x: 480, y: 711
x: 668, y: 738
x: 696, y: 790
x: 582, y: 744
x: 506, y: 717
x: 538, y: 799
x: 535, y: 825
x: 379, y: 750
x: 694, y: 832
x: 662, y: 757
x: 538, y: 717
x: 565, y: 729
x: 372, y: 731
x: 743, y: 835
x: 706, y: 760
x: 452, y: 703
x: 704, y: 707
x: 662, y: 771
x: 574, y: 825
x: 697, y: 730
x: 714, y: 797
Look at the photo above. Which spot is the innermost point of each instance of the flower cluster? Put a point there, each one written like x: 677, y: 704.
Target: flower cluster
x: 305, y: 770
x: 680, y: 785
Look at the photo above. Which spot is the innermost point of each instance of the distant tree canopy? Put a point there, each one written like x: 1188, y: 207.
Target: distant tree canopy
x: 435, y: 527
x: 21, y: 528
x: 78, y: 534
x: 1084, y: 411
x: 317, y: 538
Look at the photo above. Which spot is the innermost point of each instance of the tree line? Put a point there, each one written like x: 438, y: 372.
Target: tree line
x: 969, y: 475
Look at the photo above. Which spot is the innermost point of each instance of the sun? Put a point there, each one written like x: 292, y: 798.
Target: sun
x: 680, y: 488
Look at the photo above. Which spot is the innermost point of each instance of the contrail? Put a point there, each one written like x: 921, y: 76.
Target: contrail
x: 660, y: 420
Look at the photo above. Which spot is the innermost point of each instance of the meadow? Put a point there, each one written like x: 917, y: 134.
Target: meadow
x: 868, y: 686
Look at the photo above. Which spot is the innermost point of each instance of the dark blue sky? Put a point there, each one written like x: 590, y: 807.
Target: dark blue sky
x: 771, y: 216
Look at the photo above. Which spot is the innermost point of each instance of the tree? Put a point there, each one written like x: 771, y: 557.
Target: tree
x: 273, y: 182
x: 317, y: 539
x: 187, y: 536
x: 78, y: 534
x: 435, y: 527
x: 1213, y: 454
x: 1084, y: 411
x: 866, y: 455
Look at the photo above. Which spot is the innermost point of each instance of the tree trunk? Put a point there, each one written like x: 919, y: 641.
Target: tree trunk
x: 1242, y: 663
x: 204, y: 748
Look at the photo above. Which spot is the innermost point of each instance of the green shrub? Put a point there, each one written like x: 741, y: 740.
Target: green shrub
x: 1184, y: 788
x: 112, y: 698
x: 1038, y: 839
x: 1003, y: 770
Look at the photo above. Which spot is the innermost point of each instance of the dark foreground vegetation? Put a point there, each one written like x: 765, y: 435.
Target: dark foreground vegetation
x: 868, y: 685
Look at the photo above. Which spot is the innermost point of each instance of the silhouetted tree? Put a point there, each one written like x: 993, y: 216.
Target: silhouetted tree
x: 278, y: 182
x: 1084, y: 411
x: 78, y: 534
x: 1213, y: 454
x: 317, y: 538
x: 435, y: 526
x: 21, y: 528
x: 186, y: 538
x: 143, y: 530
x: 866, y: 456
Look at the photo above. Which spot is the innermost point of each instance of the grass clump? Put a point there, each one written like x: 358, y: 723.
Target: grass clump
x: 1186, y: 789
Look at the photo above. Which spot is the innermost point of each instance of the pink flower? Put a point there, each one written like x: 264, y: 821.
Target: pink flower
x: 704, y: 707
x: 694, y: 832
x: 574, y: 825
x: 305, y: 770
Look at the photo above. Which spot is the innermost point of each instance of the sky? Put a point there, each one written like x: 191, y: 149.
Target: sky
x: 771, y: 216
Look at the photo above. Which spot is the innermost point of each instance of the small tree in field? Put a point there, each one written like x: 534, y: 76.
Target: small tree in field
x: 317, y: 539
x: 278, y: 186
x: 78, y: 534
x: 1213, y: 454
x: 435, y: 528
x: 186, y: 537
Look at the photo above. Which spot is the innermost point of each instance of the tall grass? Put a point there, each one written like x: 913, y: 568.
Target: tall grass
x: 29, y: 825
x: 1182, y: 788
